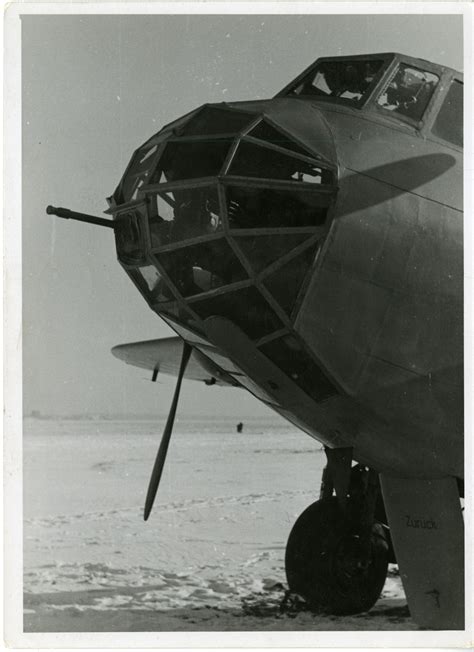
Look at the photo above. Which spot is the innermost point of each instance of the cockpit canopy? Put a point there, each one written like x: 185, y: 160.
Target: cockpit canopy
x: 346, y: 79
x: 389, y: 84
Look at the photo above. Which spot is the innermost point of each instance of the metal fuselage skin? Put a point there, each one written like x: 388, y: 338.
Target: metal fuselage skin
x: 382, y: 307
x: 383, y: 310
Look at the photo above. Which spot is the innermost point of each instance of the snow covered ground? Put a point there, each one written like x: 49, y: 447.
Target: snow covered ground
x: 210, y: 558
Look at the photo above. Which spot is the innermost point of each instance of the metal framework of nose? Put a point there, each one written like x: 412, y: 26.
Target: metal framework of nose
x: 222, y: 213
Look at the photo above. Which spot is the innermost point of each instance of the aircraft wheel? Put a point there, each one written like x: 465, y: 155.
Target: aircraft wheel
x: 323, y: 561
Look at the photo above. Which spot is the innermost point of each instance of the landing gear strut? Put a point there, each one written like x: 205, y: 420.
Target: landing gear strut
x: 337, y: 552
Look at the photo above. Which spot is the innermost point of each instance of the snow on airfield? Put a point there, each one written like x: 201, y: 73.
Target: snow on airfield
x: 211, y: 556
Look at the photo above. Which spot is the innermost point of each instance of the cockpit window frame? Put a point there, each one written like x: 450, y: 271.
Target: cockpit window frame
x: 423, y: 127
x: 433, y: 103
x: 369, y: 102
x: 395, y: 110
x: 386, y: 59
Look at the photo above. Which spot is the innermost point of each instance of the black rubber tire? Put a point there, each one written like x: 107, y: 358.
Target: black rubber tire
x: 320, y: 562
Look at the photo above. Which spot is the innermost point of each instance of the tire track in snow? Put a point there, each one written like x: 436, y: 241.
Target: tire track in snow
x: 174, y: 506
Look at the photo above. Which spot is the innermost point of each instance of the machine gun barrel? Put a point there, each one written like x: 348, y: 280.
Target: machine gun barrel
x: 81, y: 217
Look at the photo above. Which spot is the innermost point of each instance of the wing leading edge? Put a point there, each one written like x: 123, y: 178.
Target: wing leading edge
x: 164, y: 356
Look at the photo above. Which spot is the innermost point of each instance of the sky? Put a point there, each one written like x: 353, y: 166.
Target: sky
x: 94, y: 87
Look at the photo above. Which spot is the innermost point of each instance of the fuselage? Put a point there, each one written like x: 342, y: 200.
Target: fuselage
x: 312, y: 248
x: 384, y: 308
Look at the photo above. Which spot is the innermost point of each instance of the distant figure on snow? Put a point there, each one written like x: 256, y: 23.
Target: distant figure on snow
x: 240, y: 427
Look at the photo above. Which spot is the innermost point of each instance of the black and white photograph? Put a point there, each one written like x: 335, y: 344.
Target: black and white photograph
x: 235, y: 339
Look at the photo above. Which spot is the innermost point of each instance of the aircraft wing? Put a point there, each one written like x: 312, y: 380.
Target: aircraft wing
x: 164, y: 356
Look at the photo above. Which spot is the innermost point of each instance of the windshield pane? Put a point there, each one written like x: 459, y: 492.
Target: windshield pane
x: 348, y: 80
x: 408, y: 92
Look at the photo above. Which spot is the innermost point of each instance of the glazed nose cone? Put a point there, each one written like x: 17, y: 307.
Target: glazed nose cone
x: 222, y: 213
x: 240, y: 139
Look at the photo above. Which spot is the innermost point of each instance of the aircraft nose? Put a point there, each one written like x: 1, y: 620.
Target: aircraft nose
x: 223, y: 210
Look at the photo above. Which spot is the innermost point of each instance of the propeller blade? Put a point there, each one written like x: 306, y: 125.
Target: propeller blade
x: 165, y: 440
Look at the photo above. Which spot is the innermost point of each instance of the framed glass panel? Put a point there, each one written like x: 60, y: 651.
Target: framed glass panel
x: 250, y: 207
x: 202, y: 267
x: 160, y: 218
x: 129, y: 237
x: 263, y: 250
x: 286, y: 282
x: 288, y: 354
x: 153, y: 285
x: 350, y: 80
x: 213, y: 120
x: 246, y: 308
x: 137, y: 173
x: 191, y: 160
x: 408, y: 92
x: 264, y: 131
x: 252, y: 160
x: 449, y: 121
x: 184, y: 214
